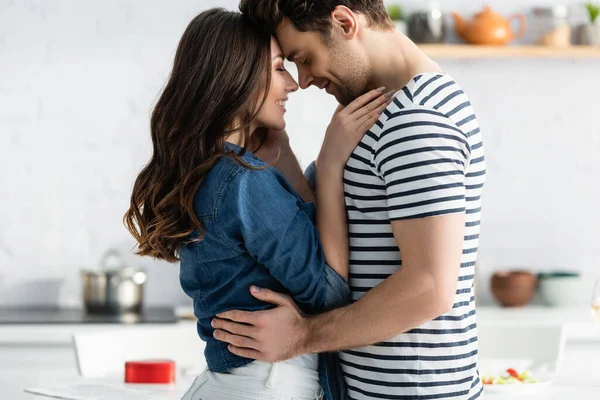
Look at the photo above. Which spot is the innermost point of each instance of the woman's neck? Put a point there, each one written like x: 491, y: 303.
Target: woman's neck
x: 238, y: 137
x: 235, y: 138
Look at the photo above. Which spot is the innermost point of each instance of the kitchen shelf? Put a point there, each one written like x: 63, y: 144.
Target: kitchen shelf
x: 473, y: 51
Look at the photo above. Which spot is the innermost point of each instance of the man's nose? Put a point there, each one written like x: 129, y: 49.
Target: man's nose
x: 304, y: 79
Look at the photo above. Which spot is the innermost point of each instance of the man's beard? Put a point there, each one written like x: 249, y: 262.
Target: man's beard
x: 354, y: 77
x: 348, y: 94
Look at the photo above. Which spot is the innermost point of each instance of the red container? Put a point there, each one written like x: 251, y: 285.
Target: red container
x: 150, y: 371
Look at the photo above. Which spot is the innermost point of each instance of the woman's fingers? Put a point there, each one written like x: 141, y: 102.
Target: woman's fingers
x: 368, y: 120
x: 373, y: 105
x: 366, y: 98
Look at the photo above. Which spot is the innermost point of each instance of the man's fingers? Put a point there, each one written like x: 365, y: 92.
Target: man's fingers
x: 245, y: 317
x: 338, y: 109
x: 236, y: 340
x: 234, y: 327
x: 270, y: 296
x: 245, y: 352
x: 364, y: 99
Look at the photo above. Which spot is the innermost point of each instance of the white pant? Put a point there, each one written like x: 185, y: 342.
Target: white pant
x: 257, y: 381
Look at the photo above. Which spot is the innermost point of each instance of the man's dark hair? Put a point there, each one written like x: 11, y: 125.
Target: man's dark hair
x: 312, y: 15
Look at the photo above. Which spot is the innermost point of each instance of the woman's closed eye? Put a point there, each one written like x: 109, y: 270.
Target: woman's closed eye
x: 280, y: 67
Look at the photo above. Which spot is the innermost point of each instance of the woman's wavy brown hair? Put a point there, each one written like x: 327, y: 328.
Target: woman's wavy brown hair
x: 222, y: 66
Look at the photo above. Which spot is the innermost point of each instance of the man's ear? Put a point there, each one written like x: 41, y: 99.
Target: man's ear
x: 345, y: 22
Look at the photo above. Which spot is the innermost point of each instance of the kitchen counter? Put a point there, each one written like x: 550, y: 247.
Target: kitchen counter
x: 38, y: 355
x: 41, y: 316
x: 25, y: 367
x: 41, y: 334
x: 43, y: 327
x: 578, y: 322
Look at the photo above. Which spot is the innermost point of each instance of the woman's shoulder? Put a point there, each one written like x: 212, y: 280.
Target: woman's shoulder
x: 229, y: 166
x: 231, y: 180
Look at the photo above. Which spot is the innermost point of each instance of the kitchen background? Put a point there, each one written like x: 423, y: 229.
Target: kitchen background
x: 77, y: 83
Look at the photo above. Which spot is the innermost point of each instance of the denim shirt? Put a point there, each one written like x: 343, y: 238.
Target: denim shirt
x: 258, y: 231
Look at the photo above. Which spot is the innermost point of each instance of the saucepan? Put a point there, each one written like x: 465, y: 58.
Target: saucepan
x: 115, y: 287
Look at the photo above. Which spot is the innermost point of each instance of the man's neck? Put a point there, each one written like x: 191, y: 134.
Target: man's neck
x: 395, y: 60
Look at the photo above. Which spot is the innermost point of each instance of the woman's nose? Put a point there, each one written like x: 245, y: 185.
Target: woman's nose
x: 292, y: 85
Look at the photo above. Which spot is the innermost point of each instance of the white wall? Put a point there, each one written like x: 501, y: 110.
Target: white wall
x: 77, y: 82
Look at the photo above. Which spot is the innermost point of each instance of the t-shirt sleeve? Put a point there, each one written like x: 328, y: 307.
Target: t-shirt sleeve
x: 422, y: 156
x: 311, y: 176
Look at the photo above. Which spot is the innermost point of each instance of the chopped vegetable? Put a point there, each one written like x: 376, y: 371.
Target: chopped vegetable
x: 511, y: 377
x: 513, y: 373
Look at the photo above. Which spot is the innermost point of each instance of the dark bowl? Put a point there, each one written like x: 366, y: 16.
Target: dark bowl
x: 513, y: 288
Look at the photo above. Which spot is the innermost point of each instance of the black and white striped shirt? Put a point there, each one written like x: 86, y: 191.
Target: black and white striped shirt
x: 423, y: 158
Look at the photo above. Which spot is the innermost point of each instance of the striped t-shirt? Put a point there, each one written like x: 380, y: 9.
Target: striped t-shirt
x: 423, y: 158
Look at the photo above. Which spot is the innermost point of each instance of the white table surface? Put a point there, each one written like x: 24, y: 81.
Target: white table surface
x: 115, y: 388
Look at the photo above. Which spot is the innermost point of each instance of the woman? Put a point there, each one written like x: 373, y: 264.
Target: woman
x: 207, y: 200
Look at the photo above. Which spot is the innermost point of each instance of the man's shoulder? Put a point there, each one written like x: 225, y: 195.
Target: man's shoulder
x: 433, y: 102
x: 414, y: 119
x: 417, y: 132
x: 432, y: 90
x: 428, y: 97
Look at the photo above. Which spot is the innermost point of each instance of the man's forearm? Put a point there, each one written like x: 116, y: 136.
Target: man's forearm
x: 402, y: 302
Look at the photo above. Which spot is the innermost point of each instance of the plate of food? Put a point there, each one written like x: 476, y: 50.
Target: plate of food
x: 514, y: 381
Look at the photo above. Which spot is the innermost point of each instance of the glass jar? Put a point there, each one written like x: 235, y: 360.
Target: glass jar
x: 552, y: 25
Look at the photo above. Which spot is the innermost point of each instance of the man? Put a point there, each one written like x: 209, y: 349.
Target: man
x: 413, y: 197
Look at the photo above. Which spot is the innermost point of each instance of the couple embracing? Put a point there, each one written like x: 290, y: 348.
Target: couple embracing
x: 354, y: 279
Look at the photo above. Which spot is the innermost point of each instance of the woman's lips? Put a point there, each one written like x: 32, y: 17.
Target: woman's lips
x: 281, y: 103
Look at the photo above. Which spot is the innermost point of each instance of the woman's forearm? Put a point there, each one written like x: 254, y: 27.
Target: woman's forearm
x: 331, y: 218
x: 289, y: 167
x: 276, y: 151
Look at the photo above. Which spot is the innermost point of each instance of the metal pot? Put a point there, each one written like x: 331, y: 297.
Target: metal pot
x: 113, y: 291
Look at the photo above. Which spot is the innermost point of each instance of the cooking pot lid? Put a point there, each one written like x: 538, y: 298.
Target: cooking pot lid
x: 124, y: 271
x: 113, y: 263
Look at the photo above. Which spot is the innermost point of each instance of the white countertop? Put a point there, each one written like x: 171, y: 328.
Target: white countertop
x: 38, y: 355
x: 579, y: 377
x: 61, y: 334
x: 578, y: 322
